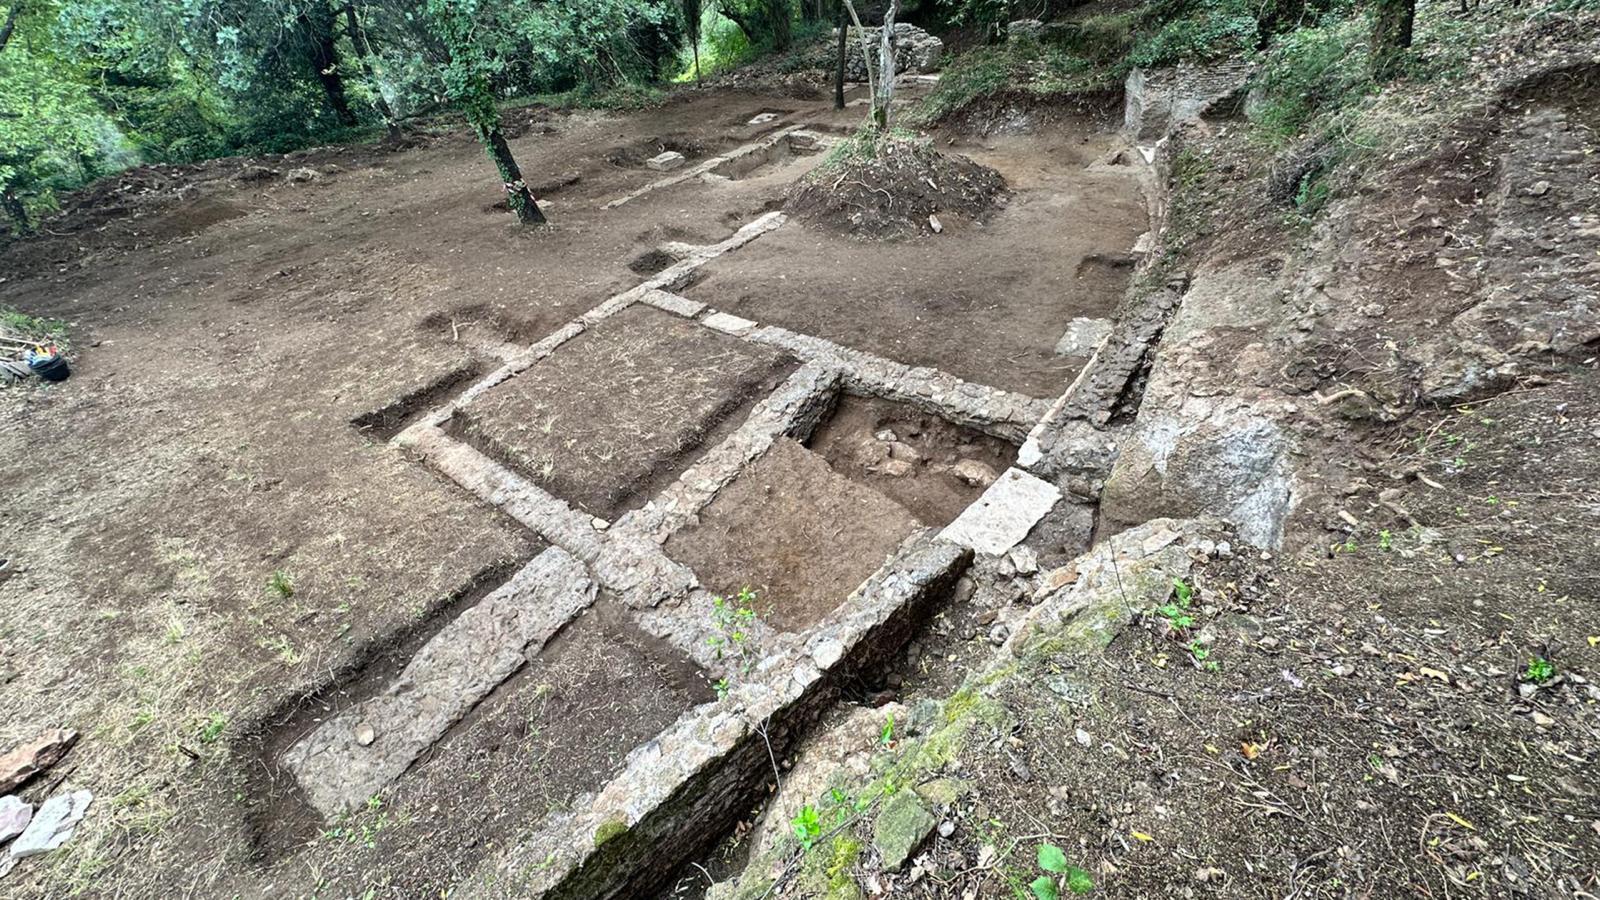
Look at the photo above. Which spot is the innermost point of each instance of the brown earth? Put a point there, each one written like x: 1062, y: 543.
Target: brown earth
x: 800, y: 535
x: 988, y: 302
x: 619, y: 411
x: 242, y: 342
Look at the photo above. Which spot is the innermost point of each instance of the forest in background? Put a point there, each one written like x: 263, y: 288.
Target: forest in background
x: 91, y: 87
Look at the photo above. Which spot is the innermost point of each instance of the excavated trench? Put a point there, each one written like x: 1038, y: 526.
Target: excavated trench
x: 885, y: 518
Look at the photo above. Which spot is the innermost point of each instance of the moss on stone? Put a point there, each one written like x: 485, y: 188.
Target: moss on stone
x: 609, y: 830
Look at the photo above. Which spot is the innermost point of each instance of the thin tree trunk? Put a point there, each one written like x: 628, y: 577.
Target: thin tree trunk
x: 358, y: 40
x: 1392, y: 26
x: 16, y: 211
x: 518, y: 196
x: 886, y: 66
x: 10, y: 27
x: 838, y: 72
x: 318, y: 24
x: 696, y: 59
x: 866, y: 54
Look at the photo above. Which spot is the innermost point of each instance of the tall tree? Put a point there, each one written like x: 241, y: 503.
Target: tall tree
x: 466, y: 82
x: 693, y: 10
x: 365, y: 59
x: 321, y: 38
x: 10, y: 27
x: 1392, y: 24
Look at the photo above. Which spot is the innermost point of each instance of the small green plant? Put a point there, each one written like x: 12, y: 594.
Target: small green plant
x: 1540, y: 670
x: 1060, y: 873
x: 886, y: 734
x: 807, y: 825
x: 280, y: 585
x: 213, y: 727
x: 721, y: 687
x: 1385, y: 540
x: 1176, y: 610
x: 731, y: 621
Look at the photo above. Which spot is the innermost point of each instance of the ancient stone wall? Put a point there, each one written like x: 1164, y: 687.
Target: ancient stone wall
x: 1154, y: 100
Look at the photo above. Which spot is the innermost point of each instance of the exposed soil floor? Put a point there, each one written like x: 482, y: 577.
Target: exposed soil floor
x: 800, y: 535
x: 985, y: 302
x: 932, y: 467
x: 559, y: 727
x: 615, y: 414
x: 209, y: 530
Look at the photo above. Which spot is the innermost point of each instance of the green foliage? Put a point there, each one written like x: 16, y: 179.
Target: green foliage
x: 1024, y: 66
x: 1311, y: 71
x: 18, y: 324
x: 212, y: 728
x: 280, y: 585
x: 1540, y: 670
x: 1054, y: 861
x: 807, y: 825
x: 731, y: 621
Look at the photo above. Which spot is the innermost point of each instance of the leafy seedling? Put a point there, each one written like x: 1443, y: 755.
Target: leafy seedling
x: 1540, y: 670
x: 807, y: 825
x: 1060, y: 873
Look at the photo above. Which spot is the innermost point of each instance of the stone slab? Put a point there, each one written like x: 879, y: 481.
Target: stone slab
x: 52, y: 825
x: 361, y: 750
x: 678, y: 305
x: 728, y: 324
x: 1083, y: 336
x: 666, y: 162
x: 1004, y: 515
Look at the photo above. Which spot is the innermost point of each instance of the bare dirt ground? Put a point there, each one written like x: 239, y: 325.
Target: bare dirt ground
x: 210, y: 532
x: 984, y: 302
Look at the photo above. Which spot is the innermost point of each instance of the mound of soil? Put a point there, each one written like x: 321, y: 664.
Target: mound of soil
x: 889, y: 190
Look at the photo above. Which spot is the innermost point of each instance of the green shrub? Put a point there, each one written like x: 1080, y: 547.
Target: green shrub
x: 1311, y: 72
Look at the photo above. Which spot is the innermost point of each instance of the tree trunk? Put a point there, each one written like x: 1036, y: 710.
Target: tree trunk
x: 521, y: 201
x: 10, y: 27
x: 886, y: 61
x: 838, y: 71
x: 696, y: 43
x: 317, y: 21
x: 358, y: 40
x: 16, y: 211
x: 1391, y: 36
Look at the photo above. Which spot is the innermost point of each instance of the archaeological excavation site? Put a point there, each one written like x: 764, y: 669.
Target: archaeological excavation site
x: 787, y: 448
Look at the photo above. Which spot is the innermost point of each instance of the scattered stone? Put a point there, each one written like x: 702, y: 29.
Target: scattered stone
x: 15, y: 814
x: 1082, y: 737
x: 1543, y: 720
x: 1024, y: 560
x: 897, y: 468
x: 665, y: 162
x: 887, y: 436
x: 365, y: 734
x: 1209, y: 875
x: 974, y: 472
x: 1343, y: 670
x: 946, y: 828
x: 53, y: 825
x: 935, y: 224
x: 998, y: 634
x: 1539, y: 189
x: 256, y: 173
x: 900, y: 450
x: 39, y: 754
x: 763, y: 118
x: 901, y: 827
x: 805, y: 141
x: 303, y: 175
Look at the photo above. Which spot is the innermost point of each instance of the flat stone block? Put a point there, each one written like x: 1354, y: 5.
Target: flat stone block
x: 1005, y: 513
x: 666, y: 162
x: 728, y: 324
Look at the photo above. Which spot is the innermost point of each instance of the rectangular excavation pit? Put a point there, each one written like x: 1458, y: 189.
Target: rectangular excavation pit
x: 554, y: 732
x: 616, y: 413
x: 799, y: 534
x: 681, y: 792
x: 762, y: 157
x: 931, y: 466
